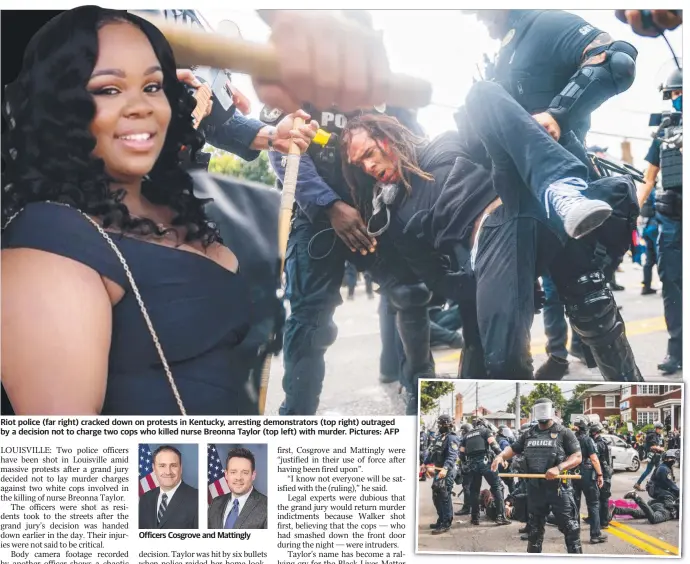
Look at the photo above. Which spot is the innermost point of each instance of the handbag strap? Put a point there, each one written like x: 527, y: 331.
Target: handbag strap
x: 137, y: 295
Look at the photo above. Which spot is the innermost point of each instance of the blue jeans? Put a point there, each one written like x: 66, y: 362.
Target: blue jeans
x: 313, y: 288
x: 670, y: 269
x: 555, y: 325
x: 651, y: 465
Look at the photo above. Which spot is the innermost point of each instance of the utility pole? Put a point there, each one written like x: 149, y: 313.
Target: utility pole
x: 518, y: 407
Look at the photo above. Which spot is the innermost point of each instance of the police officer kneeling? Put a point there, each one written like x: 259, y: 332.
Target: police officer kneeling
x: 548, y: 449
x: 442, y: 459
x: 476, y: 445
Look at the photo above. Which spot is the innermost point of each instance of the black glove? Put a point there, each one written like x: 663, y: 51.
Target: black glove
x: 539, y: 297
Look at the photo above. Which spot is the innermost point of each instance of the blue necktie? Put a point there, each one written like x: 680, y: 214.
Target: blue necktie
x: 233, y: 515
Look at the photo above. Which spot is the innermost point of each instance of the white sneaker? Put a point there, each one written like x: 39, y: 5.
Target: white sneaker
x: 580, y: 215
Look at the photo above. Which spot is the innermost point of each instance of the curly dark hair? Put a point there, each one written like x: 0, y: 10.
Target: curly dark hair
x: 403, y: 144
x: 48, y: 146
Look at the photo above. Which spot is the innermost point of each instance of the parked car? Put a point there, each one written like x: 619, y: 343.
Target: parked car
x: 624, y: 456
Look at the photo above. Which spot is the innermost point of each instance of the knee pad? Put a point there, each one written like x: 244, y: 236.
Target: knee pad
x: 592, y: 309
x: 409, y: 295
x: 593, y: 84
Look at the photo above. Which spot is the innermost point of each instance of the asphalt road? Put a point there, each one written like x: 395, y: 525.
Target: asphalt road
x: 625, y: 537
x: 352, y: 387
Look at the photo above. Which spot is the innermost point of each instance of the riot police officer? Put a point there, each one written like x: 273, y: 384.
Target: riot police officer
x: 665, y: 156
x: 560, y: 69
x: 664, y: 492
x: 464, y: 476
x: 606, y: 462
x: 591, y: 479
x: 549, y: 449
x: 441, y: 464
x: 475, y: 449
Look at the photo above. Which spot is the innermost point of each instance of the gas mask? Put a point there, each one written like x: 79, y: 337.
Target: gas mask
x: 543, y: 412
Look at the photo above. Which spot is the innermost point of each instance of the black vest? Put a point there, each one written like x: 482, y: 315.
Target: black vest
x: 604, y: 452
x: 671, y: 169
x: 437, y: 449
x: 544, y: 449
x: 475, y: 444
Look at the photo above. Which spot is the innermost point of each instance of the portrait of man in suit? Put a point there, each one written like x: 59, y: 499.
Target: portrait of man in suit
x: 173, y: 504
x: 244, y: 507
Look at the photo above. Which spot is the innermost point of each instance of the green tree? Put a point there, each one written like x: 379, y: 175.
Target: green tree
x: 580, y: 388
x: 431, y: 391
x: 573, y: 405
x: 524, y: 410
x: 258, y: 170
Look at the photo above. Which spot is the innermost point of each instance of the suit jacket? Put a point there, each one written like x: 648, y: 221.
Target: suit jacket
x: 254, y: 514
x: 182, y: 512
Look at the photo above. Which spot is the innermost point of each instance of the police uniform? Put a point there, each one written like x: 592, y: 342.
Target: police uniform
x: 464, y: 478
x: 314, y: 263
x: 544, y: 449
x: 539, y: 65
x: 444, y: 453
x: 606, y: 461
x: 669, y: 201
x: 476, y: 443
x: 587, y: 485
x: 665, y: 498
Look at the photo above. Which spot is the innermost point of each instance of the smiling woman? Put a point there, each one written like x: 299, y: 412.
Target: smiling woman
x: 94, y: 198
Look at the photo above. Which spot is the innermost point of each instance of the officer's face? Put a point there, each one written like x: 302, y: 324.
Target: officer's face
x: 168, y: 469
x: 495, y: 22
x: 239, y: 475
x: 676, y: 94
x: 376, y: 159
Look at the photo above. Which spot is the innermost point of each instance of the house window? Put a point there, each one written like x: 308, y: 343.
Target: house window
x: 610, y: 401
x: 647, y: 416
x: 626, y: 391
x: 646, y: 390
x: 626, y: 415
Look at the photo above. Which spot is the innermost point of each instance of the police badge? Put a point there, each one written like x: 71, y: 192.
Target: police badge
x: 454, y: 446
x: 554, y: 435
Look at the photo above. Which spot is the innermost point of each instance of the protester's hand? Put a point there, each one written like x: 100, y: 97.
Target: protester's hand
x: 302, y: 136
x: 663, y: 19
x: 241, y: 102
x: 600, y: 481
x: 430, y: 469
x: 546, y: 120
x: 326, y: 60
x: 349, y: 226
x: 496, y: 461
x: 552, y: 473
x: 442, y: 474
x: 187, y: 76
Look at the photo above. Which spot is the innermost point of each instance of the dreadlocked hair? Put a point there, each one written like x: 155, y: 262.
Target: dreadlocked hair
x: 402, y: 143
x: 47, y: 150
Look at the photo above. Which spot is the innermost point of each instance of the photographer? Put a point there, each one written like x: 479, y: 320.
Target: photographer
x: 665, y: 156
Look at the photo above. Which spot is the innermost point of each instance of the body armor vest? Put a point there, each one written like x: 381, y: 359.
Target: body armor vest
x: 671, y: 169
x: 583, y: 440
x: 544, y: 449
x: 604, y: 452
x: 475, y: 444
x: 437, y: 451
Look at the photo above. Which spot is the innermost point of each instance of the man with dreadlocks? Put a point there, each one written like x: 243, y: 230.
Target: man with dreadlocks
x: 488, y: 197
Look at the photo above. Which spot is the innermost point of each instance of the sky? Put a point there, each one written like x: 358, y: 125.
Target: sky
x: 448, y: 45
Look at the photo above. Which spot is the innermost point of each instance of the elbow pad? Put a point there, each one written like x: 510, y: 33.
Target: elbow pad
x: 497, y: 450
x: 592, y: 85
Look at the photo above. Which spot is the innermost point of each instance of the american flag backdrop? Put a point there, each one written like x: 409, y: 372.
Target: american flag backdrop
x: 216, y: 476
x: 147, y: 479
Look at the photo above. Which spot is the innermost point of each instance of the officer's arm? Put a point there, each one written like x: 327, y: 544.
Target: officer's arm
x: 644, y: 190
x: 594, y: 458
x: 452, y: 458
x: 236, y: 135
x: 312, y: 194
x: 494, y: 446
x: 572, y: 450
x: 607, y: 68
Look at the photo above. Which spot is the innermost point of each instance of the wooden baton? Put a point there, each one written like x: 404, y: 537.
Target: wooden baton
x: 193, y: 47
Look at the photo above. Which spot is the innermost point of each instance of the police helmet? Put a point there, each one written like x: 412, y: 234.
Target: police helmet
x: 670, y: 454
x: 507, y: 432
x: 444, y: 421
x: 674, y: 81
x: 466, y: 428
x: 658, y: 425
x: 543, y: 410
x: 480, y: 422
x: 581, y: 423
x: 596, y: 428
x: 525, y: 426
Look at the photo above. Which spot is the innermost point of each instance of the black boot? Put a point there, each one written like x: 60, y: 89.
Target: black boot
x: 501, y: 520
x: 475, y: 520
x: 463, y: 511
x: 616, y: 360
x: 553, y: 369
x: 648, y: 511
x: 670, y: 365
x: 598, y: 540
x: 444, y: 527
x: 524, y: 529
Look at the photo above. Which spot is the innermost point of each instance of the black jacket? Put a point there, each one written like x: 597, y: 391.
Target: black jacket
x: 182, y: 511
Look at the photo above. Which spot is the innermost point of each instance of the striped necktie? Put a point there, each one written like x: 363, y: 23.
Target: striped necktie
x: 163, y: 506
